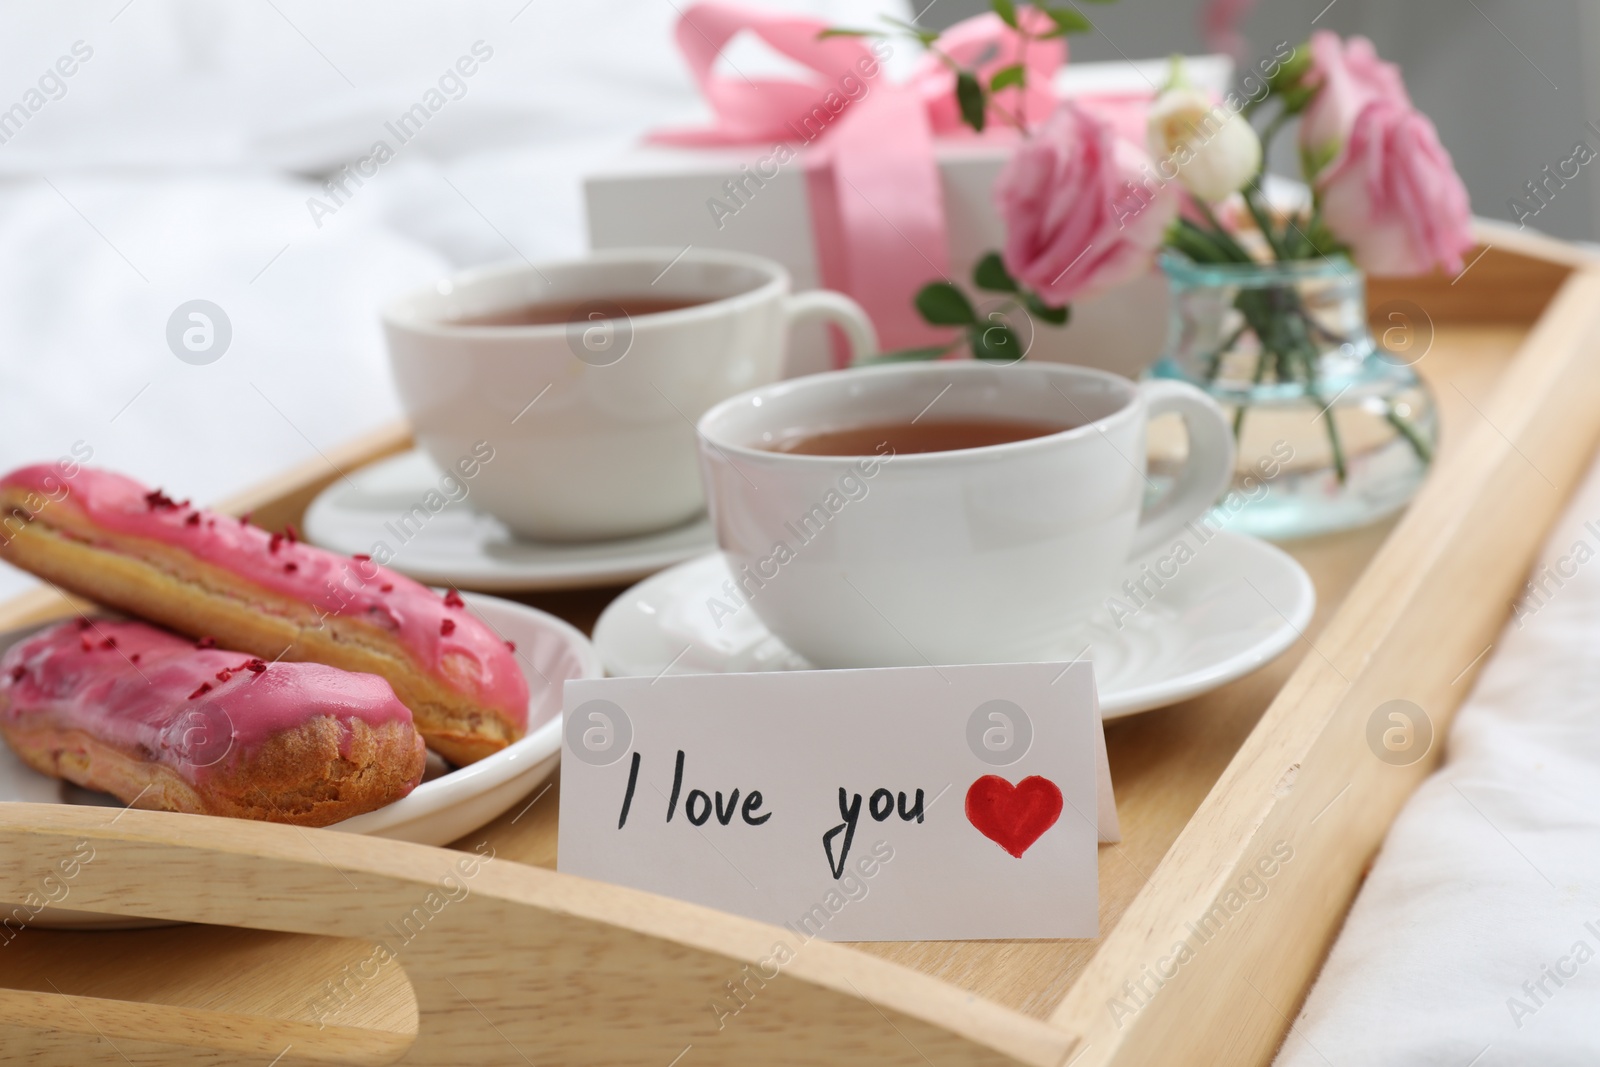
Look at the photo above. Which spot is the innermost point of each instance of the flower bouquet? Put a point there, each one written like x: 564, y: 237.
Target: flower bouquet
x: 1269, y: 310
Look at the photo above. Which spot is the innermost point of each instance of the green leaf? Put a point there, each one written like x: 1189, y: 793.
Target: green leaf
x: 1067, y: 20
x: 969, y: 94
x: 906, y: 355
x: 1039, y: 309
x: 943, y: 304
x: 1199, y: 245
x: 1224, y: 248
x: 1179, y: 241
x: 1016, y: 74
x: 991, y: 274
x: 994, y: 342
x: 1007, y: 12
x: 840, y: 31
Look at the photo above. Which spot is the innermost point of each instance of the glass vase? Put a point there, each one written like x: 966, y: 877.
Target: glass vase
x: 1333, y: 430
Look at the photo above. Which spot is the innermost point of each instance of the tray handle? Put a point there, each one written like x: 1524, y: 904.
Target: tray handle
x: 515, y: 965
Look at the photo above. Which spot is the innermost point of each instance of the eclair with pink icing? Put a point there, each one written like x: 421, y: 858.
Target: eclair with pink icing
x: 161, y: 723
x: 202, y: 573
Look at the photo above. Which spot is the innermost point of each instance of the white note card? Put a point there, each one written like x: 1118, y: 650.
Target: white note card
x: 905, y: 803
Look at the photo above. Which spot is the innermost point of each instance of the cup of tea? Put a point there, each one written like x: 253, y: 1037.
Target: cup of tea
x: 586, y: 377
x: 944, y: 513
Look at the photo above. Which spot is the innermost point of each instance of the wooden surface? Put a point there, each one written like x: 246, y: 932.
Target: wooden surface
x: 1416, y: 626
x: 507, y: 963
x: 1510, y: 277
x: 594, y: 974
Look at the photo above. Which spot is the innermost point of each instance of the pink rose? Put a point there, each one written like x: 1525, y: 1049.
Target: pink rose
x: 1385, y: 183
x: 1082, y: 209
x: 1348, y: 75
x: 1393, y: 195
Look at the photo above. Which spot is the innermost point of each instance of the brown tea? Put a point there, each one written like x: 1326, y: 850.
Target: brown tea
x: 578, y: 310
x: 930, y: 435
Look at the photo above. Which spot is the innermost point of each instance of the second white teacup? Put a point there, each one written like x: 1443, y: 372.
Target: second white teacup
x: 586, y: 377
x: 886, y: 557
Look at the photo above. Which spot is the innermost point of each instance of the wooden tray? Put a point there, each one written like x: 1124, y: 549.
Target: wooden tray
x: 538, y: 967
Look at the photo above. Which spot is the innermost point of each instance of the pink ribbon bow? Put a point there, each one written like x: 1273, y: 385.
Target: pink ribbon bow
x: 872, y: 183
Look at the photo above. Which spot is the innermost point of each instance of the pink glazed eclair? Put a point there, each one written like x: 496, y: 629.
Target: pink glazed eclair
x: 158, y: 722
x: 114, y: 541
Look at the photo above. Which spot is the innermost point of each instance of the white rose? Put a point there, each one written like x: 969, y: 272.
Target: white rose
x: 1214, y: 151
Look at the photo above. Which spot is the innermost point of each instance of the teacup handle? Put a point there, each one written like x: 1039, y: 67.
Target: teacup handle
x: 829, y: 306
x: 1206, y: 474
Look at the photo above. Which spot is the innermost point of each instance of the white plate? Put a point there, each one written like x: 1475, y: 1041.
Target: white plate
x: 460, y: 547
x: 438, y: 811
x: 1234, y: 606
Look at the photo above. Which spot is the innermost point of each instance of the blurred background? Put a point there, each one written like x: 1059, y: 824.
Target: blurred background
x: 180, y: 158
x: 1509, y: 85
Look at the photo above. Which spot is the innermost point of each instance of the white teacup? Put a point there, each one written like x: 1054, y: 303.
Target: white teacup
x: 592, y: 419
x: 973, y: 555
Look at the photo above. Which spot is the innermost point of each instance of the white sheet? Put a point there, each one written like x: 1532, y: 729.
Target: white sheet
x: 172, y: 165
x: 1491, y: 874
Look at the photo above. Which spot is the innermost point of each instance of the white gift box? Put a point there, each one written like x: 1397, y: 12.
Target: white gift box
x: 667, y: 196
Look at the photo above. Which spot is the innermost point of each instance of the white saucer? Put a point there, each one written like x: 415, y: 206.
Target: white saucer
x: 460, y: 547
x: 1234, y: 606
x: 438, y: 811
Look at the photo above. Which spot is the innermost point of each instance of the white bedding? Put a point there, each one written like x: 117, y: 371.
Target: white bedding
x: 1490, y: 878
x: 172, y: 164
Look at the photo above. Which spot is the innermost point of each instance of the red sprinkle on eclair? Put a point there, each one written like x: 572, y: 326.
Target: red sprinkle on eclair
x: 18, y: 673
x: 511, y: 645
x: 206, y: 642
x: 430, y: 642
x: 193, y: 519
x: 205, y: 687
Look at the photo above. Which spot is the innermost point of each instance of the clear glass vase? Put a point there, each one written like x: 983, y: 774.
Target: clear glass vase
x: 1334, y: 431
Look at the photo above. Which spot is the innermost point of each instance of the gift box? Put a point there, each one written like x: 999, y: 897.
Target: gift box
x: 754, y: 197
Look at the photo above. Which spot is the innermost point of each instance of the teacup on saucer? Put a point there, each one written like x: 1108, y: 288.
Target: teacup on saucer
x: 428, y: 529
x: 585, y: 377
x: 1175, y: 629
x: 946, y: 512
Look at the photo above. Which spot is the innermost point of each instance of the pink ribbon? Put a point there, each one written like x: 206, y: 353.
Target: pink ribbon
x: 872, y: 183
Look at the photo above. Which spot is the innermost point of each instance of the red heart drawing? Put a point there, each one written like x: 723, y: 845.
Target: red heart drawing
x: 1013, y: 816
